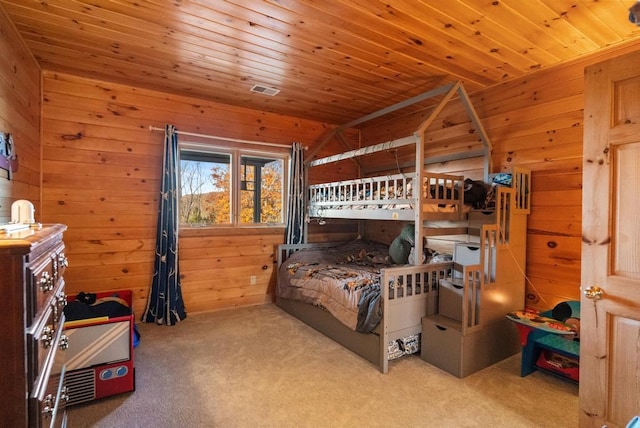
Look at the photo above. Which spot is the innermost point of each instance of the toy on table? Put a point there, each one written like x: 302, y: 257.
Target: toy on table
x: 550, y: 340
x: 526, y: 320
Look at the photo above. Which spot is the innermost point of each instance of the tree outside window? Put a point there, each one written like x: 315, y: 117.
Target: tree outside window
x: 207, y: 196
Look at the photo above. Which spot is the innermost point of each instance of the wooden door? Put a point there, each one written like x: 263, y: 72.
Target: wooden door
x: 610, y: 306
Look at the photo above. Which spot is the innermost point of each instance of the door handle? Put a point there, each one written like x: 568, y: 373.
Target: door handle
x: 594, y: 292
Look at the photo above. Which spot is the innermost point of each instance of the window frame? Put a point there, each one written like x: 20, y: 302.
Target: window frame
x: 236, y: 153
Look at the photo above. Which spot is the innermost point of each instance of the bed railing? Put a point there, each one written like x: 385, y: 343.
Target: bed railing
x: 396, y: 191
x: 407, y: 281
x: 522, y: 188
x: 468, y: 278
x: 408, y: 294
x: 370, y: 192
x: 489, y: 241
x: 471, y: 297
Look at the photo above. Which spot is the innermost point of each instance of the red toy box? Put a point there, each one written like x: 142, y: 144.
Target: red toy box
x: 99, y: 360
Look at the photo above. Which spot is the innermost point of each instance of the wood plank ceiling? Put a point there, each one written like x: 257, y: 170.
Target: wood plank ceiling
x: 332, y: 60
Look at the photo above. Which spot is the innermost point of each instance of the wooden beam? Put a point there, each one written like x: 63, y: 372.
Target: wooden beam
x: 471, y: 111
x: 405, y: 141
x: 345, y: 143
x: 322, y: 143
x: 424, y: 96
x: 424, y: 125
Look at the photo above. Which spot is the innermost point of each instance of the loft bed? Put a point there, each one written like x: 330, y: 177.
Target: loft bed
x: 435, y: 203
x: 389, y: 197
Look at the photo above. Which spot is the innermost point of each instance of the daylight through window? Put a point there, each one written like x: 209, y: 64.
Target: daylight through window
x: 222, y: 187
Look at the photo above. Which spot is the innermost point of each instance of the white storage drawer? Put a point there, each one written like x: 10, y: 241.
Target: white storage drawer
x: 468, y: 253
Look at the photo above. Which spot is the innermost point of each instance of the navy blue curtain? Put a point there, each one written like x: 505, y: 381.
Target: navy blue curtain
x: 165, y: 304
x: 294, y: 232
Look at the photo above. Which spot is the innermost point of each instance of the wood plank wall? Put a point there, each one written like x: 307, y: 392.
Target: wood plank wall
x: 101, y: 170
x: 535, y: 122
x: 19, y: 116
x: 104, y: 184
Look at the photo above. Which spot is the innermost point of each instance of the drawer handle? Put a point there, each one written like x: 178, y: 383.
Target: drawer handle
x: 47, y: 337
x: 62, y: 300
x: 57, y: 305
x: 63, y: 345
x: 439, y: 327
x: 46, y: 282
x: 62, y: 260
x: 49, y: 402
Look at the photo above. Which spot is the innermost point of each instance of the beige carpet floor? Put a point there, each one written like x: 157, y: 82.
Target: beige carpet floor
x: 260, y: 367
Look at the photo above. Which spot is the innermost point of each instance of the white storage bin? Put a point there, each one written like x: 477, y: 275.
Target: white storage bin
x: 469, y: 254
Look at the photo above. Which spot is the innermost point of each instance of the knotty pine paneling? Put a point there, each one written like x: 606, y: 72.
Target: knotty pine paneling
x: 112, y: 191
x: 333, y: 61
x: 537, y: 122
x: 19, y: 116
x: 101, y: 177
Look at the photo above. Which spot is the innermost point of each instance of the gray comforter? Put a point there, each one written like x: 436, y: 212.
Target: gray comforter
x: 344, y: 280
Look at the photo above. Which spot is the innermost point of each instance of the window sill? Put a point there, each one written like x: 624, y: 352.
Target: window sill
x: 195, y: 231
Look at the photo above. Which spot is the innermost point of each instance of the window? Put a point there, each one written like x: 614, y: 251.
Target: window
x: 231, y: 187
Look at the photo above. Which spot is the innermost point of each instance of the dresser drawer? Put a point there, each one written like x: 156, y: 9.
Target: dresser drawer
x: 49, y: 395
x: 32, y: 265
x: 48, y: 408
x: 43, y: 277
x: 44, y: 342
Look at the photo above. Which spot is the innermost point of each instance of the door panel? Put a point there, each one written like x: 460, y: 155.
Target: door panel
x: 626, y: 96
x: 626, y: 210
x: 625, y: 361
x: 610, y: 313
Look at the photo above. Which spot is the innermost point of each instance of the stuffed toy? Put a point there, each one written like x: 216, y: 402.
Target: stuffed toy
x: 400, y: 247
x: 569, y: 313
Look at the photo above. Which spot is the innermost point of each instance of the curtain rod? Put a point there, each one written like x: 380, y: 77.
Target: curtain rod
x: 214, y: 137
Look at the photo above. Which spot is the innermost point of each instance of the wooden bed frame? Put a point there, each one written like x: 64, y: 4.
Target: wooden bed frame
x: 409, y: 295
x: 385, y: 197
x: 501, y: 236
x: 364, y: 198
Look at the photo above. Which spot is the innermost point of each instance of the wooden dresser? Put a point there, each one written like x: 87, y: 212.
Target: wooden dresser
x: 32, y: 264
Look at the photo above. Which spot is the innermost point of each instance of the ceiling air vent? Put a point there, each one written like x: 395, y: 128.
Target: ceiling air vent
x: 265, y: 90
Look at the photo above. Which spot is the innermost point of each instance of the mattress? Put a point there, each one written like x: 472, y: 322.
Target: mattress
x: 337, y: 279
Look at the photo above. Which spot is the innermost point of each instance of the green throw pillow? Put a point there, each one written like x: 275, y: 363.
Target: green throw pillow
x: 401, y: 246
x: 399, y: 251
